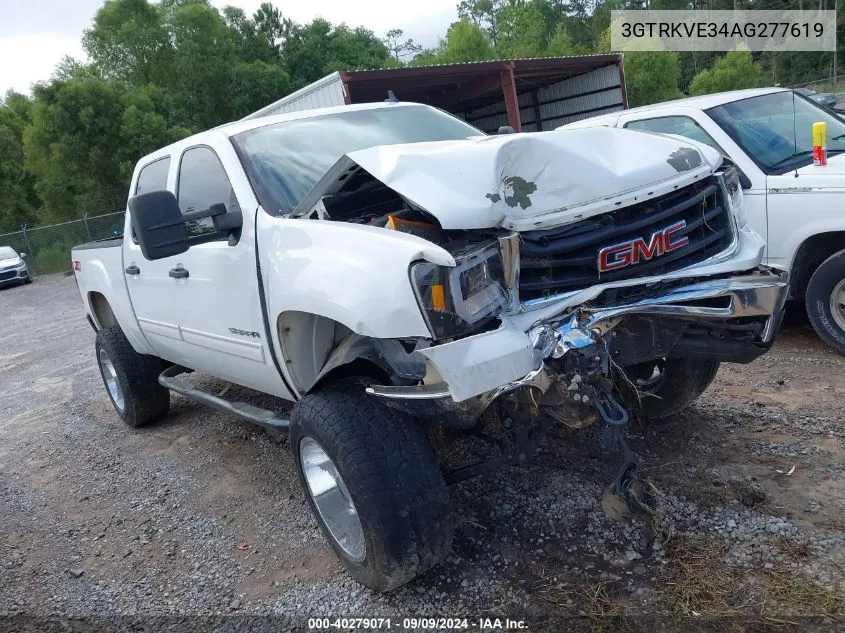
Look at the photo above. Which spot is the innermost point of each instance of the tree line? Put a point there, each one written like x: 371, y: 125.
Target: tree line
x: 158, y: 72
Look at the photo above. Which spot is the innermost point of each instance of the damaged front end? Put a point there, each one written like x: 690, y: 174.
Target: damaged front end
x: 579, y: 364
x: 578, y: 266
x: 732, y: 319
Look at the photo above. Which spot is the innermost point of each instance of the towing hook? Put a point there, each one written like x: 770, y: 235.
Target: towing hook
x: 609, y: 408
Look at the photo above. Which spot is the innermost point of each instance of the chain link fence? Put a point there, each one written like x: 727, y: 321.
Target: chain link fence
x: 48, y: 247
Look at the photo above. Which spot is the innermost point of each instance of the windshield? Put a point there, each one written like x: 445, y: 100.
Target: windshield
x: 776, y: 130
x: 7, y: 252
x: 285, y: 160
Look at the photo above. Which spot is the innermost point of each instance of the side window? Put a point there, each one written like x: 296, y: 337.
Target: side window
x: 153, y: 176
x: 680, y: 125
x: 203, y: 182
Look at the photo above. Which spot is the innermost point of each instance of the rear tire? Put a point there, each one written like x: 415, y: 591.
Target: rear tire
x: 391, y: 477
x: 131, y: 379
x: 825, y: 301
x: 668, y: 386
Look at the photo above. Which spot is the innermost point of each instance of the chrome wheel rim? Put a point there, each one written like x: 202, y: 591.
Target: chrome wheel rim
x: 112, y: 383
x: 837, y: 304
x: 653, y: 379
x: 331, y: 497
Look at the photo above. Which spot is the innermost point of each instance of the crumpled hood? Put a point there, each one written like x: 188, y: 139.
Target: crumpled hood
x: 536, y: 180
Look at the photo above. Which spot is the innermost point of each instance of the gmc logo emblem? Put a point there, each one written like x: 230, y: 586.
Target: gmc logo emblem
x: 634, y: 251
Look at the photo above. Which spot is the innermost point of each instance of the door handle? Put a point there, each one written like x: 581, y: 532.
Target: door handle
x: 179, y: 273
x: 133, y: 270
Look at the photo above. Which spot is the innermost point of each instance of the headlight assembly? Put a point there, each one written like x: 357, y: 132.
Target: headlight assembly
x: 460, y: 299
x: 730, y: 177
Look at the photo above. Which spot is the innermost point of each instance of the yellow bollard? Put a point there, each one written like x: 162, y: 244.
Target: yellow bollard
x: 820, y: 143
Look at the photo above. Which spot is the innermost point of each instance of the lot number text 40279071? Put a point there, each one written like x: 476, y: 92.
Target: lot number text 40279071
x: 410, y: 624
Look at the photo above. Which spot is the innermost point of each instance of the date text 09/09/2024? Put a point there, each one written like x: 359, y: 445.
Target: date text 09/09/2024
x: 410, y: 624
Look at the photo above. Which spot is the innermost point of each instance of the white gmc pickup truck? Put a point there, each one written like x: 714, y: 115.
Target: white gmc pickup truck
x: 394, y: 272
x: 798, y: 207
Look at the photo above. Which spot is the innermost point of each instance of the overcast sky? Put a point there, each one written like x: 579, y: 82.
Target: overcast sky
x: 36, y: 34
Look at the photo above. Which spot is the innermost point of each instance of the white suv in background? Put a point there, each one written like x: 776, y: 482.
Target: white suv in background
x: 799, y: 208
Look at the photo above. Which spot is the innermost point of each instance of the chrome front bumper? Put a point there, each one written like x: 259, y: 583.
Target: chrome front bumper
x: 471, y: 372
x: 762, y: 293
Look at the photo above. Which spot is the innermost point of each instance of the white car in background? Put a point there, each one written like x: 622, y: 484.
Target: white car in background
x: 13, y: 268
x: 799, y: 208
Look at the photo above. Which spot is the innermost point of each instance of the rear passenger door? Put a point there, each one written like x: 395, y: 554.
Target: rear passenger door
x: 201, y: 308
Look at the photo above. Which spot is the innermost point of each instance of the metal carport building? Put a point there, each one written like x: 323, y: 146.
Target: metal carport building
x: 527, y: 94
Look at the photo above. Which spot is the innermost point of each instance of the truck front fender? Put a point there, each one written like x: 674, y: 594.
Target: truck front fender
x: 352, y: 274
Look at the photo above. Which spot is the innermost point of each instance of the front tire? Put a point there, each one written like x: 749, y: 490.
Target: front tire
x: 825, y: 301
x: 373, y: 482
x: 669, y: 385
x: 131, y: 379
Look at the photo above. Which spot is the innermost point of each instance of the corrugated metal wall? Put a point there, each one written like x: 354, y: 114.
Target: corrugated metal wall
x: 596, y: 92
x: 323, y: 93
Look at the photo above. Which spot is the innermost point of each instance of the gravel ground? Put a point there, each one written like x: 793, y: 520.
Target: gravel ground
x: 202, y: 517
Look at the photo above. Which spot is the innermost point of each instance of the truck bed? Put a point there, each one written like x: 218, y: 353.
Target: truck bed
x: 109, y: 242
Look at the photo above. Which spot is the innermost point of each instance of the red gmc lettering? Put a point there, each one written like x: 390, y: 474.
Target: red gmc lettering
x: 632, y: 252
x: 639, y: 248
x: 621, y: 257
x: 669, y: 245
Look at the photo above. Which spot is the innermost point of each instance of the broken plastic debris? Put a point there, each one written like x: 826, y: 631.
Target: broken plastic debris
x: 780, y: 472
x: 243, y: 546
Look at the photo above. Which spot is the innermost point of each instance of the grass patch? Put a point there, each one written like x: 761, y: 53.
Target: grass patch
x: 697, y: 582
x: 698, y: 589
x: 595, y: 601
x: 797, y: 551
x: 789, y: 594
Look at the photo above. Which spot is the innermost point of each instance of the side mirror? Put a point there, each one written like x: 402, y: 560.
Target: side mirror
x: 23, y: 255
x: 158, y: 224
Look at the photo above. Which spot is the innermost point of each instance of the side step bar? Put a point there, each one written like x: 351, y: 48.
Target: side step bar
x: 255, y: 415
